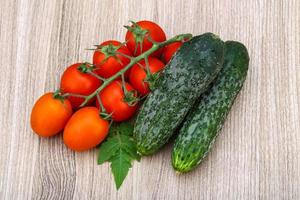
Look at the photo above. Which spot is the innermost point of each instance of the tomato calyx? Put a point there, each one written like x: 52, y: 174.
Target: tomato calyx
x: 86, y: 67
x: 130, y: 97
x: 58, y: 95
x: 152, y: 80
x: 102, y: 111
x: 108, y: 51
x: 105, y: 115
x: 138, y: 33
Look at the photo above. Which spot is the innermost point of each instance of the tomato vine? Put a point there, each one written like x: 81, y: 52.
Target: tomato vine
x: 134, y: 60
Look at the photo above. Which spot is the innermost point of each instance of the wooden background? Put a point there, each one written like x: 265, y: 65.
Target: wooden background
x: 256, y: 156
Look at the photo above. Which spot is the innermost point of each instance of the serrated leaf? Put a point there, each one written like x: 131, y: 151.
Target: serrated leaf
x: 113, y: 131
x: 107, y: 150
x: 120, y: 150
x: 126, y: 129
x: 129, y: 146
x: 133, y: 154
x: 120, y: 165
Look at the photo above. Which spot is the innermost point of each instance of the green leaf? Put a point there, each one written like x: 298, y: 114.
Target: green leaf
x: 120, y: 166
x: 107, y: 150
x: 128, y: 145
x: 119, y: 149
x: 126, y: 128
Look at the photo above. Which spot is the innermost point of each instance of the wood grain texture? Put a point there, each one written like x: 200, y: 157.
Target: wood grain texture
x: 256, y: 156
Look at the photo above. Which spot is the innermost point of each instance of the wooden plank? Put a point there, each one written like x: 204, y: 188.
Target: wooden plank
x: 256, y: 155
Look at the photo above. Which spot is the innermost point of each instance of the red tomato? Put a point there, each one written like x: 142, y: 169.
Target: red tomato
x: 115, y: 62
x: 49, y: 115
x: 112, y: 98
x: 169, y: 51
x: 85, y: 129
x: 140, y: 34
x: 138, y: 74
x: 76, y: 82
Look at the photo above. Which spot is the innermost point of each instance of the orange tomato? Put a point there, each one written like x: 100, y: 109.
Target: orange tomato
x: 49, y: 115
x: 85, y: 129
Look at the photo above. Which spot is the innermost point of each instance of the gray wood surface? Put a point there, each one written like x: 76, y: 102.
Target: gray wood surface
x: 256, y: 156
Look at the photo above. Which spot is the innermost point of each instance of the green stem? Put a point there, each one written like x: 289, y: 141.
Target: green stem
x: 134, y: 61
x: 100, y: 103
x: 147, y: 66
x: 96, y: 75
x: 124, y: 55
x: 74, y: 95
x: 123, y: 84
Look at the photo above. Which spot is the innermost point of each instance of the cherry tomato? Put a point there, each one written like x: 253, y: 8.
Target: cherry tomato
x: 115, y: 62
x: 76, y: 82
x: 112, y: 98
x: 169, y: 51
x: 85, y: 129
x: 138, y: 74
x: 49, y: 115
x: 140, y: 33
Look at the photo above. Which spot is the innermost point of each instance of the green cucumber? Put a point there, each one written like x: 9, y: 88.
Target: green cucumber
x: 190, y: 71
x: 203, y: 124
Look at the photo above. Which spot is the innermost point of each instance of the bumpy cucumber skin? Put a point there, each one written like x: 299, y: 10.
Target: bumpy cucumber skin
x: 194, y: 66
x: 203, y: 124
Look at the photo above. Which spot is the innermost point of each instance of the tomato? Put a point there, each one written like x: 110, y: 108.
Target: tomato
x: 138, y: 34
x: 76, y: 82
x: 115, y: 62
x: 170, y: 50
x: 112, y: 98
x: 85, y: 129
x: 49, y: 115
x: 138, y: 74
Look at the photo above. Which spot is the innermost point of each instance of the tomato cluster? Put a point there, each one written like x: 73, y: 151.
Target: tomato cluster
x: 117, y: 101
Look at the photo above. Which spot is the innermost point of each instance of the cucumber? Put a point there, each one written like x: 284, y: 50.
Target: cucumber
x: 203, y: 124
x: 189, y: 72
